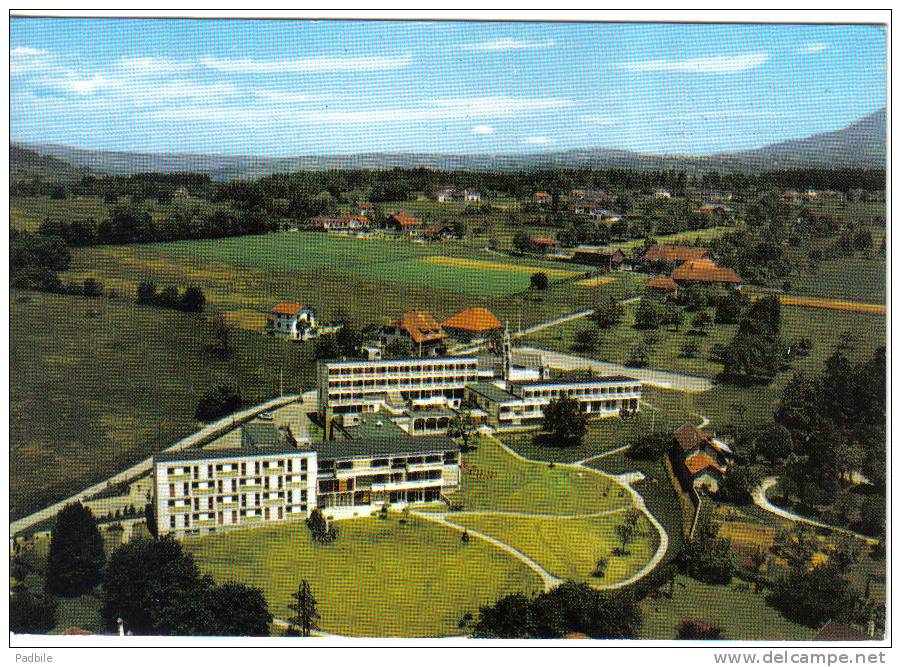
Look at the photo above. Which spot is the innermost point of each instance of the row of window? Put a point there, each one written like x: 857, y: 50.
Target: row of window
x: 221, y: 519
x: 295, y: 464
x: 419, y: 367
x: 245, y: 500
x: 579, y: 391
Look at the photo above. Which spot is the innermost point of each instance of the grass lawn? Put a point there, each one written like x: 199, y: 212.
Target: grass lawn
x: 97, y: 385
x: 570, y: 548
x: 739, y: 612
x: 29, y: 213
x: 380, y: 578
x: 495, y: 480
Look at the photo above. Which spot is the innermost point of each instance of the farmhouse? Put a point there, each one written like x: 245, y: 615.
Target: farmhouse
x: 292, y: 320
x: 607, y: 258
x: 661, y: 285
x: 541, y: 197
x: 404, y: 223
x: 421, y: 329
x: 705, y: 271
x: 673, y: 254
x: 345, y: 224
x: 269, y: 478
x: 471, y: 323
x: 544, y: 244
x: 438, y: 232
x: 699, y: 459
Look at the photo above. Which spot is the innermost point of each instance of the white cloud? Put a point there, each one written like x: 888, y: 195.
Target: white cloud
x: 319, y: 64
x: 25, y: 51
x: 709, y: 65
x: 424, y: 110
x: 141, y: 91
x: 599, y: 120
x: 815, y: 47
x: 153, y: 65
x: 536, y: 141
x: 509, y: 45
x: 280, y: 96
x: 483, y: 129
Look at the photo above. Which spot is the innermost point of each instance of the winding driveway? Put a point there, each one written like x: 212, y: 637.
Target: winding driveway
x: 761, y: 500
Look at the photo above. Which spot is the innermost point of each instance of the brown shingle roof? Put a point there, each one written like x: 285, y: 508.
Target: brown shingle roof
x: 705, y: 271
x: 473, y: 319
x: 689, y: 437
x: 404, y: 219
x: 674, y: 253
x: 420, y: 326
x: 662, y: 283
x: 289, y: 309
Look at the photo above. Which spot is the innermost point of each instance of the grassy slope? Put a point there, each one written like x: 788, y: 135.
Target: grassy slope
x: 97, y: 385
x: 379, y: 579
x: 739, y: 612
x: 570, y: 548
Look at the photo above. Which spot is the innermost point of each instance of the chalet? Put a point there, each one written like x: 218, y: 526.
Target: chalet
x: 404, y: 223
x: 544, y: 244
x: 472, y: 196
x: 699, y: 459
x: 292, y: 321
x: 541, y: 197
x: 345, y: 224
x: 471, y: 323
x: 662, y: 194
x: 421, y: 329
x: 438, y: 233
x: 661, y: 284
x: 705, y: 272
x: 609, y: 259
x: 673, y: 254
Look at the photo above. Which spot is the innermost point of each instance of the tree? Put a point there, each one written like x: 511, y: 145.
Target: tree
x: 772, y: 442
x: 398, y: 348
x: 586, y: 339
x: 31, y: 613
x: 522, y: 242
x: 320, y: 529
x: 737, y: 485
x: 692, y: 629
x: 730, y: 306
x: 650, y: 447
x: 701, y: 321
x: 689, y: 350
x: 220, y: 400
x: 239, y: 611
x: 76, y: 552
x: 608, y: 312
x: 638, y: 357
x: 539, y: 280
x: 305, y: 609
x: 600, y: 568
x: 626, y: 530
x: 707, y: 558
x: 763, y: 318
x: 564, y: 422
x: 816, y: 595
x: 220, y: 344
x: 193, y: 300
x: 168, y: 297
x: 649, y: 314
x: 327, y: 348
x: 462, y: 426
x: 145, y: 582
x: 146, y: 293
x: 751, y: 359
x: 92, y: 288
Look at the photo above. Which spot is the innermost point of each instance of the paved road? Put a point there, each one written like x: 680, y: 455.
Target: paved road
x: 553, y: 323
x: 760, y: 499
x: 210, y: 431
x: 662, y: 379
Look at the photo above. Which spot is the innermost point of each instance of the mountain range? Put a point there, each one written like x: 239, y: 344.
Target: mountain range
x: 861, y: 144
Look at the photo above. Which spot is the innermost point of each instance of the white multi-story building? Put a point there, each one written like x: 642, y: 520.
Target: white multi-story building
x: 266, y: 480
x: 360, y: 386
x: 523, y: 403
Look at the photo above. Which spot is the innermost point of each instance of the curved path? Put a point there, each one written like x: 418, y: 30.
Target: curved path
x: 760, y: 499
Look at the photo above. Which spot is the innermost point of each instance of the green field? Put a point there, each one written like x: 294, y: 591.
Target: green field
x: 96, y: 385
x: 495, y: 480
x: 569, y: 548
x: 739, y: 612
x: 379, y: 579
x: 29, y: 213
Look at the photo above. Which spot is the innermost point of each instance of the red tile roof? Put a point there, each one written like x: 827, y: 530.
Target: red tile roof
x: 705, y: 271
x: 404, y: 219
x: 289, y: 309
x: 662, y: 283
x: 699, y: 462
x: 473, y: 319
x: 674, y: 253
x: 420, y: 326
x: 543, y: 241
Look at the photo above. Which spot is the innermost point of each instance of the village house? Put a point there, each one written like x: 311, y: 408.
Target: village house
x: 345, y: 224
x: 446, y: 195
x: 705, y: 272
x: 365, y: 209
x: 544, y: 244
x: 672, y: 255
x: 292, y: 321
x: 662, y: 284
x: 472, y: 323
x: 610, y: 259
x: 472, y: 196
x: 699, y: 459
x: 404, y: 223
x: 541, y: 197
x: 421, y: 329
x: 438, y: 233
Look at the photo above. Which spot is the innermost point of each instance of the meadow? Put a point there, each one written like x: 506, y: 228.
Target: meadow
x: 381, y: 578
x: 97, y: 385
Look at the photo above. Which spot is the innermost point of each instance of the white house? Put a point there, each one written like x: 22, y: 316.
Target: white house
x: 292, y: 321
x: 472, y: 196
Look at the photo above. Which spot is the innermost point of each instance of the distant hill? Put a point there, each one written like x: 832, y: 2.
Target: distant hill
x: 861, y: 144
x: 28, y: 166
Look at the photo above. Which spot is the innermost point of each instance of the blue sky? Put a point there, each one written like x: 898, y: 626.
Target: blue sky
x: 320, y: 87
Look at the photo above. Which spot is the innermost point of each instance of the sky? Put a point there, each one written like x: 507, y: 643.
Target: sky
x: 302, y: 87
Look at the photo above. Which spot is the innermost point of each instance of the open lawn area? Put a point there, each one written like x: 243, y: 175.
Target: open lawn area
x: 570, y: 548
x: 379, y: 579
x: 493, y: 479
x: 736, y: 609
x: 97, y: 385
